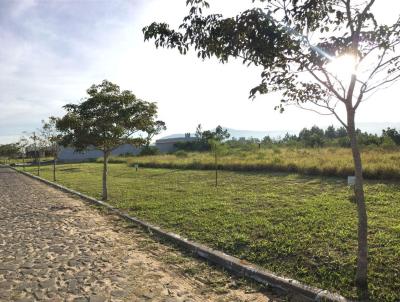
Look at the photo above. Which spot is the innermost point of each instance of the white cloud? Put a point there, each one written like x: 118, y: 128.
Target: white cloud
x: 21, y: 6
x: 53, y: 51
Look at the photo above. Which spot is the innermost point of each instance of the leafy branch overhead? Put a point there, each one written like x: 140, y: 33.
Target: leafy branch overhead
x: 294, y: 42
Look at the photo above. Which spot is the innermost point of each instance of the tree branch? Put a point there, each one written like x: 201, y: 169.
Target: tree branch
x: 327, y: 76
x: 349, y: 17
x: 383, y: 83
x: 326, y: 85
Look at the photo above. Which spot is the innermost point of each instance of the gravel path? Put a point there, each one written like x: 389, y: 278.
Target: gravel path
x: 54, y: 247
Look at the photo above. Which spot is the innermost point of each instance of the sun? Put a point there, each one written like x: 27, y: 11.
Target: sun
x: 343, y: 67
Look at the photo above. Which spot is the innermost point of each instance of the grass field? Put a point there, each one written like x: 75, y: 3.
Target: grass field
x: 297, y: 226
x: 378, y: 163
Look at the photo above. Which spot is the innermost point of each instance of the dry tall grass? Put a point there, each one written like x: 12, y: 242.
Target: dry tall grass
x: 378, y: 163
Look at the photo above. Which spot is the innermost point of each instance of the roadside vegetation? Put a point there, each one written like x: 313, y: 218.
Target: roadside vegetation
x: 313, y: 151
x: 379, y: 163
x: 299, y: 226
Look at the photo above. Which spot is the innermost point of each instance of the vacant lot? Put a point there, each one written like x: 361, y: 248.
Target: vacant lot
x: 378, y: 163
x: 302, y: 227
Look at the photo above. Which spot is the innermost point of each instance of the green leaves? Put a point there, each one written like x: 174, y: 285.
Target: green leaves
x: 108, y: 118
x: 294, y: 41
x: 9, y: 150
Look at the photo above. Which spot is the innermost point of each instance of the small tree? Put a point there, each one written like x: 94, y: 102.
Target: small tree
x: 51, y: 140
x: 327, y: 54
x: 37, y: 144
x: 219, y: 134
x: 23, y: 143
x: 107, y: 119
x: 218, y: 149
x: 199, y: 132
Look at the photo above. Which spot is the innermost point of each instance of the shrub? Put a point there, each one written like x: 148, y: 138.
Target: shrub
x: 111, y: 160
x: 276, y: 150
x: 181, y: 154
x: 116, y: 160
x: 149, y: 150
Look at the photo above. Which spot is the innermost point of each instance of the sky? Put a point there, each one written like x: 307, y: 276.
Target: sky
x: 53, y: 50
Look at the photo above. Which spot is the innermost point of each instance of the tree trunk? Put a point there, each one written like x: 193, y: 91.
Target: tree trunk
x: 216, y: 169
x: 38, y: 164
x: 105, y: 172
x: 362, y: 254
x: 54, y: 168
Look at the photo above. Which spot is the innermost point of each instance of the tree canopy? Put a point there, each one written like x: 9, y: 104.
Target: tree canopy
x: 294, y: 41
x: 219, y: 134
x: 108, y: 118
x: 9, y: 150
x: 50, y: 135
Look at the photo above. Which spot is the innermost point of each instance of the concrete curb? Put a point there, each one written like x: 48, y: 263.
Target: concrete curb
x: 242, y: 268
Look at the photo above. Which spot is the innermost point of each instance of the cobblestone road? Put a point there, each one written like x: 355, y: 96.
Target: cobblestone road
x: 54, y: 247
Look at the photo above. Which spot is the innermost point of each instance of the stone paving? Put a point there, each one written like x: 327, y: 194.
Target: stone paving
x: 55, y: 247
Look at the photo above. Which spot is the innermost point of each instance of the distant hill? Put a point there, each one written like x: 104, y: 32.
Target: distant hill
x: 374, y: 128
x: 258, y: 134
x: 243, y: 133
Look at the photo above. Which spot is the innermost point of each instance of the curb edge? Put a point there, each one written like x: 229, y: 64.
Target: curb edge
x: 233, y: 264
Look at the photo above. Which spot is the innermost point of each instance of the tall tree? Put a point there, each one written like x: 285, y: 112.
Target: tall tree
x: 304, y: 47
x: 107, y: 119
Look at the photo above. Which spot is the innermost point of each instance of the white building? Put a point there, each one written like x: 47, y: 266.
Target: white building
x: 69, y: 154
x: 166, y: 145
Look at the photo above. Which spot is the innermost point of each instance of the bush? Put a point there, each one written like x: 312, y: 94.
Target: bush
x: 388, y: 142
x: 111, y: 160
x: 117, y: 160
x: 197, y: 145
x: 276, y: 150
x: 181, y: 154
x: 149, y: 150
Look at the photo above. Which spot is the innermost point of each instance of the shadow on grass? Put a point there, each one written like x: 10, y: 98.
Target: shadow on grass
x: 165, y: 173
x: 70, y: 170
x: 294, y: 177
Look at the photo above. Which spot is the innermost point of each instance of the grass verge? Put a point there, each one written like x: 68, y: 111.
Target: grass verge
x: 297, y: 226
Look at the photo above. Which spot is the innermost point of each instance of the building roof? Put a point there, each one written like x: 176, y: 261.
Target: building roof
x: 174, y: 140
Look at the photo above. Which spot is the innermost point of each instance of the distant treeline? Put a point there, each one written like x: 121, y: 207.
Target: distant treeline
x: 16, y: 150
x: 314, y: 137
x: 8, y: 150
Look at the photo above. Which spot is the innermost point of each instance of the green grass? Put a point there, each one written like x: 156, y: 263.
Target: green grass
x: 378, y: 163
x: 297, y: 226
x: 11, y: 161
